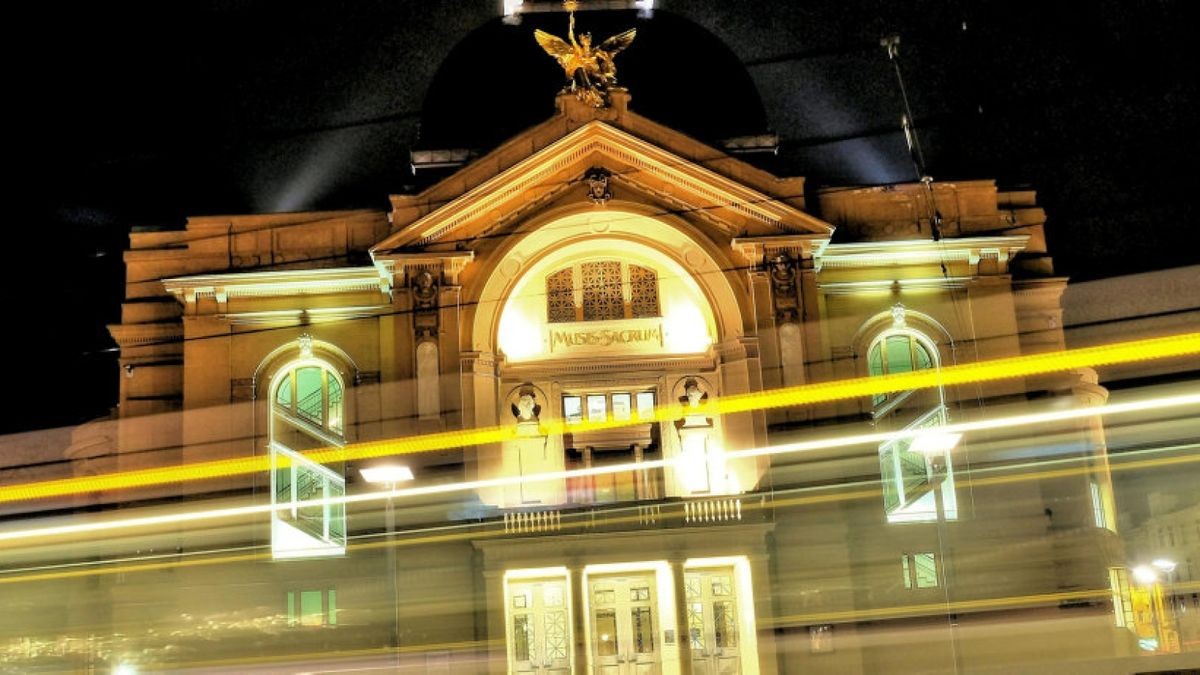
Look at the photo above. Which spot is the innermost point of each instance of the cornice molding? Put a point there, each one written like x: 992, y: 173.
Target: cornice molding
x: 141, y: 334
x: 282, y: 283
x: 892, y: 253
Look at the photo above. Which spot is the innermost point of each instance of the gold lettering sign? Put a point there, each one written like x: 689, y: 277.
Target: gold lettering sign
x: 607, y: 338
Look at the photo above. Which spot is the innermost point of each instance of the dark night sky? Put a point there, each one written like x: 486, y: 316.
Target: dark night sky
x: 135, y: 114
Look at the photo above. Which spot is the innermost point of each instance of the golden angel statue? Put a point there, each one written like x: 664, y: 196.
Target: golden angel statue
x: 590, y: 69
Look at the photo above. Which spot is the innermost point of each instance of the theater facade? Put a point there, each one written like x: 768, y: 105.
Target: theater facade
x: 593, y: 290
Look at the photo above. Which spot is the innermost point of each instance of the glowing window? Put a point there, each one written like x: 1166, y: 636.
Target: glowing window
x: 312, y: 608
x: 920, y: 570
x: 602, y: 298
x: 606, y: 290
x: 600, y: 407
x: 306, y: 414
x: 573, y: 409
x: 643, y: 292
x: 897, y: 353
x: 560, y: 296
x: 311, y: 395
x: 620, y: 406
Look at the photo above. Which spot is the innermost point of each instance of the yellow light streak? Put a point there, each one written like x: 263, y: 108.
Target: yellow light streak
x: 831, y: 493
x: 1011, y: 421
x: 999, y: 369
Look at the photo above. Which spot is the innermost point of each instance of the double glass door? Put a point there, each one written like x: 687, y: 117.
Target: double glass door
x: 540, y: 627
x: 624, y: 625
x: 712, y: 616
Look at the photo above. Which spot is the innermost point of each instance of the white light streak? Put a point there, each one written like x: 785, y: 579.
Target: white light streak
x: 785, y: 448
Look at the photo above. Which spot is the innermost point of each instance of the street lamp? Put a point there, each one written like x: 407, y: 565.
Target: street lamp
x: 1168, y: 567
x: 389, y: 475
x: 1166, y: 639
x: 1144, y: 574
x: 386, y: 474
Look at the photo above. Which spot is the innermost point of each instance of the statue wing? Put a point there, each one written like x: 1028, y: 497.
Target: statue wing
x: 615, y: 44
x: 554, y: 45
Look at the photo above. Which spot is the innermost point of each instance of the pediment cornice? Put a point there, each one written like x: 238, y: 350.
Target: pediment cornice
x: 749, y: 212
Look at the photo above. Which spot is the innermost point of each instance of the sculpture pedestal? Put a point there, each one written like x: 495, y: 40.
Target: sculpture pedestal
x: 529, y: 455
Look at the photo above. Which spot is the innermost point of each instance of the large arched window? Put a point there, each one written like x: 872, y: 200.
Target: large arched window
x: 917, y: 485
x: 601, y: 290
x: 307, y: 412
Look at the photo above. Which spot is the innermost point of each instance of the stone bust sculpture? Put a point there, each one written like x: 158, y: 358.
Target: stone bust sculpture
x: 526, y: 409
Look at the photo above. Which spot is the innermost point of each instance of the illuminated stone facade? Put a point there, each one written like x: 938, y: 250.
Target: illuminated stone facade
x: 514, y: 293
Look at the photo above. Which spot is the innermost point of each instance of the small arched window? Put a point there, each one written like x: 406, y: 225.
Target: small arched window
x: 311, y: 393
x: 601, y: 290
x: 307, y: 413
x: 897, y: 352
x: 907, y: 474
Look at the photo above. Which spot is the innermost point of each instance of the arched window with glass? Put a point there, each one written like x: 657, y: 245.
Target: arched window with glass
x: 309, y: 399
x: 307, y: 413
x: 602, y: 290
x: 897, y: 352
x: 911, y: 477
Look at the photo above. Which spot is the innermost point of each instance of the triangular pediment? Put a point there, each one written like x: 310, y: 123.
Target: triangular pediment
x: 690, y: 186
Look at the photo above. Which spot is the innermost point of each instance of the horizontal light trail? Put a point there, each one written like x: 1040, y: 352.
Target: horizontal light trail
x: 1012, y: 421
x: 1029, y: 419
x: 999, y: 369
x: 791, y: 498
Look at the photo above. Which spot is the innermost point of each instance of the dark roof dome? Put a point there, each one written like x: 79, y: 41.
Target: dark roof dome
x: 498, y: 82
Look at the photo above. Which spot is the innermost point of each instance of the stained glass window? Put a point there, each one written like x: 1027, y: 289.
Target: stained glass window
x: 643, y: 291
x: 556, y: 635
x: 724, y: 628
x: 643, y: 630
x: 560, y: 297
x: 695, y: 618
x: 604, y: 286
x: 602, y: 298
x: 522, y: 638
x: 720, y: 585
x: 606, y: 632
x: 552, y: 595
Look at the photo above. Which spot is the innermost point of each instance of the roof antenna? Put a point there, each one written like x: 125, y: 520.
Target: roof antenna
x: 891, y: 44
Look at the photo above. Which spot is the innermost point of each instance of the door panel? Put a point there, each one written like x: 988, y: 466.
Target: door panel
x: 539, y: 630
x: 712, y: 615
x: 624, y: 625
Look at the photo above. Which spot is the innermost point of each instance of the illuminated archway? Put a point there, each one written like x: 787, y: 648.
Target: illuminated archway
x: 696, y: 294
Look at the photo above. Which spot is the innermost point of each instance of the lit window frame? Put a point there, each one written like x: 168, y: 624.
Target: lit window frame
x: 635, y: 410
x: 630, y: 282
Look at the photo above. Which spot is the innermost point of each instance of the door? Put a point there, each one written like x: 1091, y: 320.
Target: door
x: 624, y: 625
x: 712, y: 616
x: 539, y: 633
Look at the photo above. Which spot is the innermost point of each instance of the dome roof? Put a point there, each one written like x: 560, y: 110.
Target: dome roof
x: 498, y: 82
